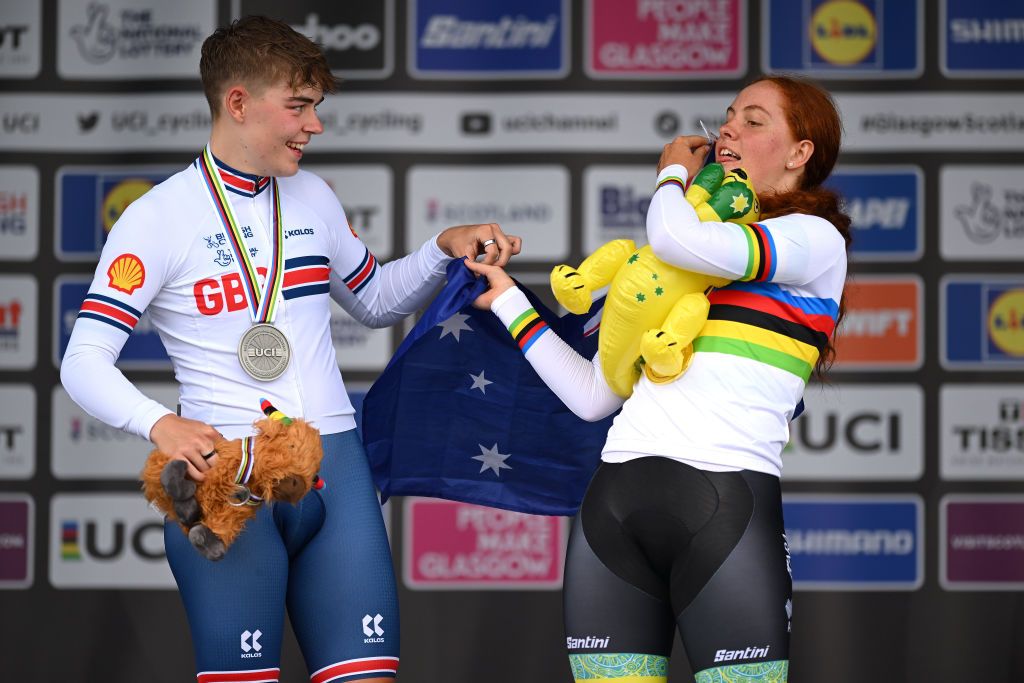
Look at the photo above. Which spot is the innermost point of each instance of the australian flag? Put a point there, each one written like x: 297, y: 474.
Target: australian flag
x: 459, y: 413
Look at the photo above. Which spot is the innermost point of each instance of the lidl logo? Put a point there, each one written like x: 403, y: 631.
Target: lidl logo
x: 983, y: 322
x: 91, y: 200
x: 870, y: 38
x: 843, y: 32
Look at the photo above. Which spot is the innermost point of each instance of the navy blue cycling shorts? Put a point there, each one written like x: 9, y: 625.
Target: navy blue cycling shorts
x: 327, y: 558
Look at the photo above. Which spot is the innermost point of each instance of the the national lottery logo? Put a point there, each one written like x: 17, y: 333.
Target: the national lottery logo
x: 131, y: 34
x: 982, y: 212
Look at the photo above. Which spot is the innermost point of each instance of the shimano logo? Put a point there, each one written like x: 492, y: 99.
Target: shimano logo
x: 251, y: 650
x: 748, y: 653
x: 340, y: 36
x: 587, y: 643
x: 372, y: 630
x: 446, y: 31
x: 296, y: 233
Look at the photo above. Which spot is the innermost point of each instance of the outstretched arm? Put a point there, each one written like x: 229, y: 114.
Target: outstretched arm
x: 577, y: 381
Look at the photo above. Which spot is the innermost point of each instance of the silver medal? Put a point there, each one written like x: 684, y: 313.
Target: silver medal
x: 264, y: 352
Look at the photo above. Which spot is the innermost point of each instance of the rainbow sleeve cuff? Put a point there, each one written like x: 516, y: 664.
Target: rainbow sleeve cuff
x: 671, y: 180
x: 527, y: 328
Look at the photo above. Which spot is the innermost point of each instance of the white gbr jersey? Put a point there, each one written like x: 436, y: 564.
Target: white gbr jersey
x: 169, y: 255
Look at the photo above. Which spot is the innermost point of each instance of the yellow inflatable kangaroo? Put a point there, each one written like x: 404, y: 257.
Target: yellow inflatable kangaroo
x: 653, y: 310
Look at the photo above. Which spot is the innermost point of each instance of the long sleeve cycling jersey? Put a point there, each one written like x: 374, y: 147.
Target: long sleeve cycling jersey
x: 732, y: 407
x: 168, y: 256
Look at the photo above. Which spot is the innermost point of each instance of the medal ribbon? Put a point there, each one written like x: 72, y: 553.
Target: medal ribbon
x: 245, y: 469
x: 262, y: 303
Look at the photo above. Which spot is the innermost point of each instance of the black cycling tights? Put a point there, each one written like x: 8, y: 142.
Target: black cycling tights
x: 659, y: 544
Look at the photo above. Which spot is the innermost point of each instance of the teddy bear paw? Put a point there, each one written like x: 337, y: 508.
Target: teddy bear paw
x: 206, y: 542
x: 663, y: 355
x: 570, y: 289
x: 175, y: 483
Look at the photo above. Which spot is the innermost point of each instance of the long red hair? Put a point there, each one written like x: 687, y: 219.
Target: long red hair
x: 812, y: 115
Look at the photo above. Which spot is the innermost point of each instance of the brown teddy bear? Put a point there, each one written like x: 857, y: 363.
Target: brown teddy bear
x: 279, y: 463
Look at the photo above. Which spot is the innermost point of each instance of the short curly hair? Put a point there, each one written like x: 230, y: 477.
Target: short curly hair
x: 259, y: 51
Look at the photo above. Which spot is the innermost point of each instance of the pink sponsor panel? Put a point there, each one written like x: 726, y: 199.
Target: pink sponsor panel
x: 982, y: 542
x: 665, y: 38
x: 451, y: 545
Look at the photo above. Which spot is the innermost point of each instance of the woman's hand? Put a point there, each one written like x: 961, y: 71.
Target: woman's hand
x: 685, y: 150
x: 486, y: 239
x: 188, y: 440
x: 497, y: 278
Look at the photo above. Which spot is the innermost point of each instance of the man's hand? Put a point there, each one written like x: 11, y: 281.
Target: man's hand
x: 188, y: 440
x: 472, y: 240
x: 498, y: 280
x: 686, y: 150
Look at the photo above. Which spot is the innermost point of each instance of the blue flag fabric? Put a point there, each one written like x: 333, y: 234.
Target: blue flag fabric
x: 459, y: 413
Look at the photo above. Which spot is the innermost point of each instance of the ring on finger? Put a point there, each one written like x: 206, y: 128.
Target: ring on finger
x: 488, y: 243
x: 209, y: 455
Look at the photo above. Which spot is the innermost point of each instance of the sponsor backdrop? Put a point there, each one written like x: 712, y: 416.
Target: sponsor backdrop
x: 904, y: 509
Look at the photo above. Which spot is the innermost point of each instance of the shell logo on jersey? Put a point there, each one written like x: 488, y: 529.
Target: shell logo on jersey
x: 882, y: 329
x: 126, y: 273
x: 120, y: 197
x: 1006, y: 322
x: 843, y: 32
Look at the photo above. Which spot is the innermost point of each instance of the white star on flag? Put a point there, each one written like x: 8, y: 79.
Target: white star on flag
x: 492, y: 459
x: 454, y: 325
x: 480, y: 382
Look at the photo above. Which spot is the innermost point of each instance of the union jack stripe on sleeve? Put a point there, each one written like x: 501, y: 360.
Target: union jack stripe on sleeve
x: 111, y: 311
x: 361, y: 276
x: 306, y: 275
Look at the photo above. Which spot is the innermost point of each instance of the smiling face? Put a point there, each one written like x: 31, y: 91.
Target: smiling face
x: 278, y: 122
x: 756, y: 137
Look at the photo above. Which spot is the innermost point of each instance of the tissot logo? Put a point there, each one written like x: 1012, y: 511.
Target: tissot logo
x: 372, y: 630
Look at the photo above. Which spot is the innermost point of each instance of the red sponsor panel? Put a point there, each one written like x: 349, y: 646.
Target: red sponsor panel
x: 665, y: 38
x: 452, y: 545
x: 883, y: 326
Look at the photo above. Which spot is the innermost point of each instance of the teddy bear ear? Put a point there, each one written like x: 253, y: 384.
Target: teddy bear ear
x: 273, y: 413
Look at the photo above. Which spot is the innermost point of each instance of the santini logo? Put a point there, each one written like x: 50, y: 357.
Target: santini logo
x: 450, y: 32
x: 376, y: 630
x: 588, y: 643
x: 749, y: 653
